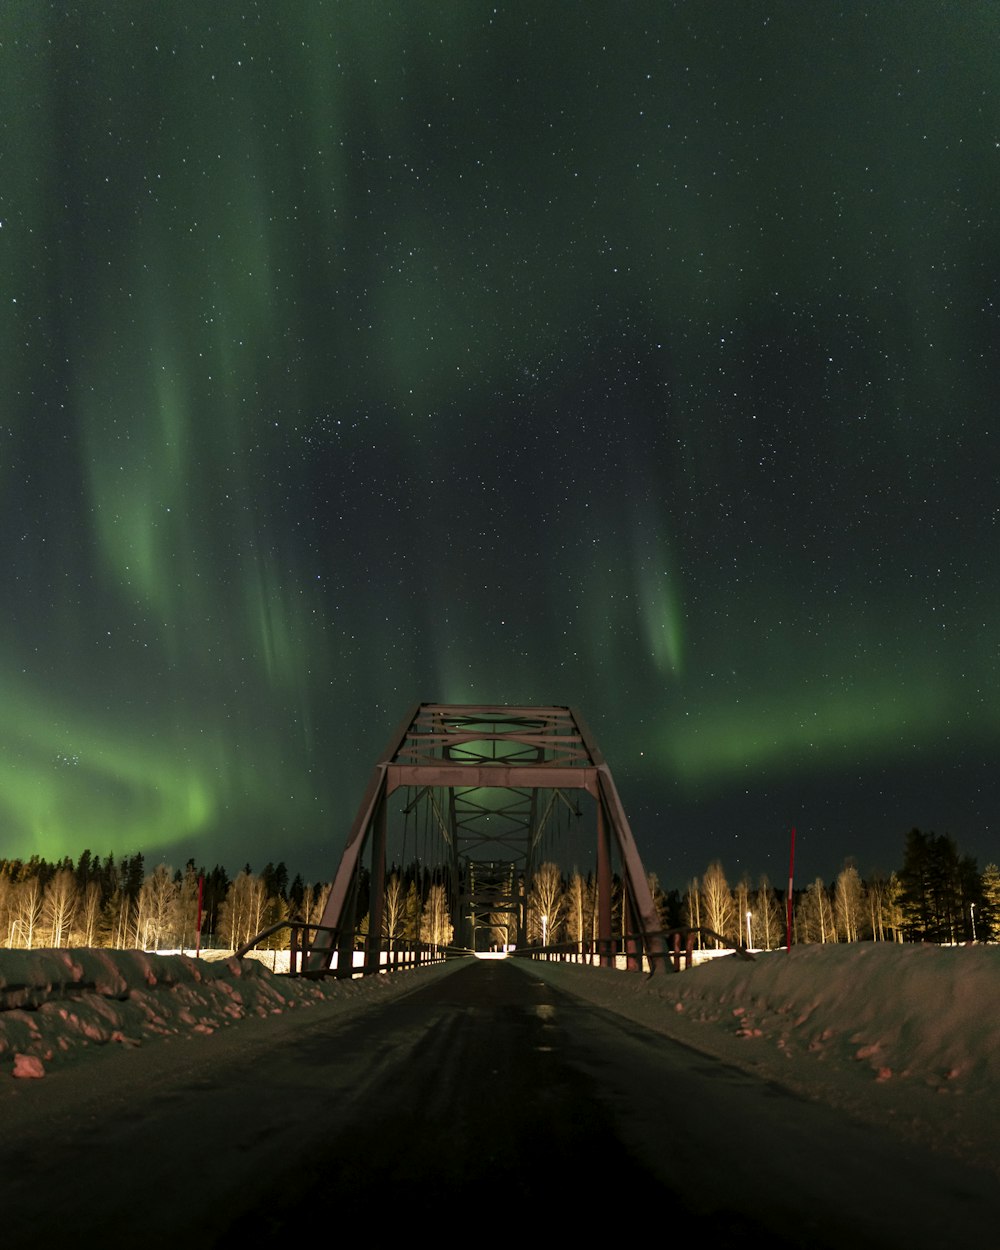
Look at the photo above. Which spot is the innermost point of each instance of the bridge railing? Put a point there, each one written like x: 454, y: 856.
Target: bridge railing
x: 626, y: 951
x: 400, y: 954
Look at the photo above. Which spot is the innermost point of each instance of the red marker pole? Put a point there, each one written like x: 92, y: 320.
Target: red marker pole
x: 788, y: 896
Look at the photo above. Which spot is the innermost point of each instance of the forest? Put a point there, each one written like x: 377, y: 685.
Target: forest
x: 937, y: 895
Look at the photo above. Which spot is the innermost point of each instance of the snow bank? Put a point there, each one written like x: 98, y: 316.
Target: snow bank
x: 896, y: 1034
x: 55, y: 1003
x: 891, y: 1033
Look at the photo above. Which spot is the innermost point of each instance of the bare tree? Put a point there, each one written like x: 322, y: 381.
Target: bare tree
x: 717, y: 902
x: 435, y: 921
x: 117, y: 920
x: 545, y: 904
x: 767, y: 916
x: 88, y: 916
x: 989, y: 922
x: 6, y: 908
x: 847, y: 903
x: 814, y: 915
x: 393, y: 909
x: 503, y: 929
x: 692, y: 909
x: 242, y: 914
x: 742, y: 894
x: 156, y: 910
x: 59, y: 906
x: 576, y: 920
x: 313, y: 901
x: 186, y: 915
x: 26, y: 909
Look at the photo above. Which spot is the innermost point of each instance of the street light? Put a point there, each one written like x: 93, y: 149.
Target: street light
x: 972, y: 909
x: 545, y: 929
x: 749, y: 940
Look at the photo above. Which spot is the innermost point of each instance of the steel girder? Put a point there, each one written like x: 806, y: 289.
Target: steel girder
x: 464, y: 747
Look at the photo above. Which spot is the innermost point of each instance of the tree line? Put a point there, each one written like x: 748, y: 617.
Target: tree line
x: 938, y: 895
x: 98, y: 901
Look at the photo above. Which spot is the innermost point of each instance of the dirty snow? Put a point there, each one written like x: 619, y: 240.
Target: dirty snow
x: 903, y: 1035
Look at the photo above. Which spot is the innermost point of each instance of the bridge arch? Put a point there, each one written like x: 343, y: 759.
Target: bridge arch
x: 490, y: 778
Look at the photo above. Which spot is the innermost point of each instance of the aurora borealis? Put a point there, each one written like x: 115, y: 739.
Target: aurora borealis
x: 642, y: 358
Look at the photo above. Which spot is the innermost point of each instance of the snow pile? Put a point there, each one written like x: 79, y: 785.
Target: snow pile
x: 54, y: 1003
x: 896, y: 1034
x: 906, y: 1033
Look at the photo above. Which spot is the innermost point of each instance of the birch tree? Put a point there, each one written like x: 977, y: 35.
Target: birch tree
x: 814, y: 915
x: 545, y: 904
x: 717, y: 902
x: 767, y: 916
x: 847, y: 903
x: 393, y: 909
x: 58, y: 907
x: 435, y: 920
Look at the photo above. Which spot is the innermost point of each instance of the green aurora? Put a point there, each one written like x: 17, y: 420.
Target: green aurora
x: 361, y: 354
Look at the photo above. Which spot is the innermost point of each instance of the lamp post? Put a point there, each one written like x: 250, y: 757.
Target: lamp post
x: 545, y: 929
x: 749, y: 940
x: 972, y: 912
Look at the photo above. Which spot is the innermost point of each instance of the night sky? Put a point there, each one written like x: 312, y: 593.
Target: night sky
x: 637, y: 357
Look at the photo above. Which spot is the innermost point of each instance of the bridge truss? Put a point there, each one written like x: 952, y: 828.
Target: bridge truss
x: 493, y: 782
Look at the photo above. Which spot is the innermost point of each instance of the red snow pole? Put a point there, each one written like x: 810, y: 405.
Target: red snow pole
x: 788, y: 896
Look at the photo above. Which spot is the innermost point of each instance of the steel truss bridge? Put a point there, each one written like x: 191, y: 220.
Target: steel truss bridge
x: 495, y: 784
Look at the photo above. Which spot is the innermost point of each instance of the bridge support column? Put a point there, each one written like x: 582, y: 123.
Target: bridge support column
x: 604, y: 890
x: 373, y: 941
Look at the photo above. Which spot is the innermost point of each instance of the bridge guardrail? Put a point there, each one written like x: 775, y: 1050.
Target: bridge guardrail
x: 404, y: 953
x: 607, y: 952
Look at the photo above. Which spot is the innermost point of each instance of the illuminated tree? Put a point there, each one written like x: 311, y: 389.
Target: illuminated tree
x: 503, y: 929
x: 814, y: 915
x: 576, y: 910
x: 742, y: 895
x: 393, y: 909
x: 156, y: 910
x: 435, y: 921
x: 88, y: 916
x: 242, y: 915
x: 411, y: 919
x: 26, y: 910
x: 545, y: 904
x: 988, y: 911
x: 59, y: 906
x: 766, y: 916
x: 848, y: 903
x: 691, y: 911
x: 186, y: 916
x: 717, y: 903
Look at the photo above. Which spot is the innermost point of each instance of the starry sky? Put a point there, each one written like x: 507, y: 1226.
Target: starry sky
x: 637, y: 357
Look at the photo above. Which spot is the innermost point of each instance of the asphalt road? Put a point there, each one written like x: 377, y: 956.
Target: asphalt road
x: 486, y: 1100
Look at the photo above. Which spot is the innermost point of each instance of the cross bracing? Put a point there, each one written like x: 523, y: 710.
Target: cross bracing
x: 497, y: 784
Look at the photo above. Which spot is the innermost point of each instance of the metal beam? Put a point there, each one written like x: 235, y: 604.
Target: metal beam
x: 465, y: 747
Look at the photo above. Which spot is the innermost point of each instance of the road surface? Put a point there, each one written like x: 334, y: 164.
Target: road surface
x: 485, y: 1100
